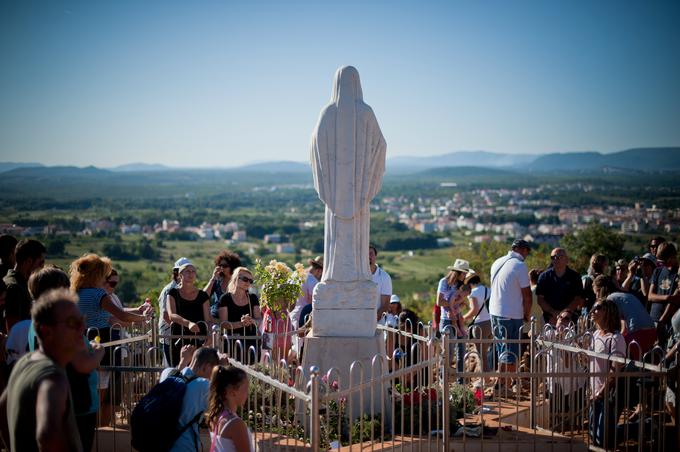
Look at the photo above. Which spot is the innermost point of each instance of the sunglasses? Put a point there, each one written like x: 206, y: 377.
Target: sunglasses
x: 74, y: 322
x: 597, y: 307
x: 246, y: 279
x: 224, y: 265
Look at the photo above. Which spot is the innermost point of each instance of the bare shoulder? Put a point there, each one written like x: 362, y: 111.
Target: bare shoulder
x: 235, y: 428
x: 56, y: 381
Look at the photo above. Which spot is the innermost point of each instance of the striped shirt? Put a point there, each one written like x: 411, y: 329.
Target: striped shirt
x: 90, y: 305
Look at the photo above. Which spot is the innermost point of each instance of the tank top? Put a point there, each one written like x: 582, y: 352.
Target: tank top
x: 235, y: 312
x: 22, y: 391
x: 192, y: 310
x: 218, y: 443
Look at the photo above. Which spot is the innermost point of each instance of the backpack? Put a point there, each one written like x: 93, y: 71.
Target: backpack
x: 154, y: 424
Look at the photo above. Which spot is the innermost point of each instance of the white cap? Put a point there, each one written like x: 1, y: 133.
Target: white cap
x: 395, y: 299
x: 181, y: 261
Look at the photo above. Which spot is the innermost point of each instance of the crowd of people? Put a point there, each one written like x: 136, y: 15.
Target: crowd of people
x: 631, y: 310
x: 54, y: 323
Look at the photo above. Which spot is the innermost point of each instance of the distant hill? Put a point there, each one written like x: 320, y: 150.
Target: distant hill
x: 9, y: 166
x: 131, y: 167
x: 409, y: 164
x: 453, y: 172
x: 284, y: 166
x: 642, y: 159
x: 55, y: 174
x: 464, y: 168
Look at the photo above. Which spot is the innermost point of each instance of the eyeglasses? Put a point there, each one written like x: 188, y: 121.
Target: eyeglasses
x: 74, y: 322
x: 246, y: 279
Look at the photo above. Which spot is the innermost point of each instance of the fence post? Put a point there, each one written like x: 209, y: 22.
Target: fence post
x: 315, y: 427
x: 154, y: 337
x: 445, y: 368
x: 532, y: 380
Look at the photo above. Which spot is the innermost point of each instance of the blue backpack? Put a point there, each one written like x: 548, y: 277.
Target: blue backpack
x: 154, y: 423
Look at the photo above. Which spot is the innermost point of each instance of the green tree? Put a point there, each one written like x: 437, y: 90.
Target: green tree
x: 56, y: 247
x: 594, y: 239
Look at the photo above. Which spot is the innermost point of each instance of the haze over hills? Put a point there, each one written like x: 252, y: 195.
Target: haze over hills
x: 666, y: 159
x: 656, y: 165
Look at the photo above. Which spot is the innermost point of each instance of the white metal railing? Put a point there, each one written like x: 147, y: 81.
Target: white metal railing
x: 415, y: 398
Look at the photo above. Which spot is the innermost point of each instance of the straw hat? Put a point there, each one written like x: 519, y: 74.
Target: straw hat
x: 460, y: 265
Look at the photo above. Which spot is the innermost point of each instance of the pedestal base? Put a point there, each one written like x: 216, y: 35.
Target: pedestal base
x: 345, y: 308
x: 339, y: 353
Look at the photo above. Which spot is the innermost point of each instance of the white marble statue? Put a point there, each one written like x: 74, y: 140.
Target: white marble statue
x: 348, y: 162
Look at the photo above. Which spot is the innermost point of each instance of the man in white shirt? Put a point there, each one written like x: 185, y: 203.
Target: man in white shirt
x: 382, y: 279
x: 510, y: 303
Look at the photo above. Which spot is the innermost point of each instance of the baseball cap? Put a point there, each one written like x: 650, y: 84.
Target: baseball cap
x: 395, y: 299
x: 181, y: 261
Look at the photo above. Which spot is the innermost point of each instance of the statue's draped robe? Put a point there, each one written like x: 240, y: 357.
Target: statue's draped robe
x: 348, y: 162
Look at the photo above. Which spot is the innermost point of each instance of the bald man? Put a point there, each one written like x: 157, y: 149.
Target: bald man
x: 559, y: 287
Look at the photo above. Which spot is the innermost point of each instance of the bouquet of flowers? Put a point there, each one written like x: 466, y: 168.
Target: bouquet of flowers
x: 279, y: 285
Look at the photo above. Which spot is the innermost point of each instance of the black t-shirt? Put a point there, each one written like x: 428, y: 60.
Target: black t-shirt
x: 18, y: 300
x: 235, y: 312
x: 665, y: 282
x: 558, y: 292
x: 192, y: 310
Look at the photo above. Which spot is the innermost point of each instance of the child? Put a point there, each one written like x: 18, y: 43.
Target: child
x: 458, y: 324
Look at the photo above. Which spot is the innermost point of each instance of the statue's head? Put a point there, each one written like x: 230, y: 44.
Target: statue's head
x: 347, y: 86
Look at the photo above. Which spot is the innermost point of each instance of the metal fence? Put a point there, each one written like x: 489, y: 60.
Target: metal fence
x: 417, y: 399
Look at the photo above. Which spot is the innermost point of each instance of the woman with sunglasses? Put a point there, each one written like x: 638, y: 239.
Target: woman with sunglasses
x: 604, y: 404
x: 239, y: 311
x: 225, y: 264
x: 110, y: 287
x: 88, y: 279
x: 189, y: 311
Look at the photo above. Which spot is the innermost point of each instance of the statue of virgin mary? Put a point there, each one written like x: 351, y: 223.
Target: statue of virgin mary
x: 348, y: 163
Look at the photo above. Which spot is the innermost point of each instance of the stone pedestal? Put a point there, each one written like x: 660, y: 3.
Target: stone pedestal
x: 339, y: 353
x: 345, y: 309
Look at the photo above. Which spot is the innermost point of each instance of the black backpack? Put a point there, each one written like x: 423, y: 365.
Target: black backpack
x: 154, y: 423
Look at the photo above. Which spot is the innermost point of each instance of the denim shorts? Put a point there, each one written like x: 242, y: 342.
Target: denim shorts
x: 504, y: 328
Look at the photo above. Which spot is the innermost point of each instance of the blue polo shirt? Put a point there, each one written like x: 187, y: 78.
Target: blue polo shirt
x: 195, y: 402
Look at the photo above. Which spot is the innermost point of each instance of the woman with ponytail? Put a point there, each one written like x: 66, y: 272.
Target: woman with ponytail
x: 228, y: 392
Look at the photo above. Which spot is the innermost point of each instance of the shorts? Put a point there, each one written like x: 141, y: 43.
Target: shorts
x: 504, y: 328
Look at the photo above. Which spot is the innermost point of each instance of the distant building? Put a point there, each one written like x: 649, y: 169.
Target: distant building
x: 272, y: 238
x: 239, y: 236
x: 444, y: 242
x: 426, y: 227
x: 285, y: 248
x: 205, y: 231
x: 131, y: 229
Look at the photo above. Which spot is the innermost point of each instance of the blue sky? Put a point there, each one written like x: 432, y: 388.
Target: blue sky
x: 226, y: 83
